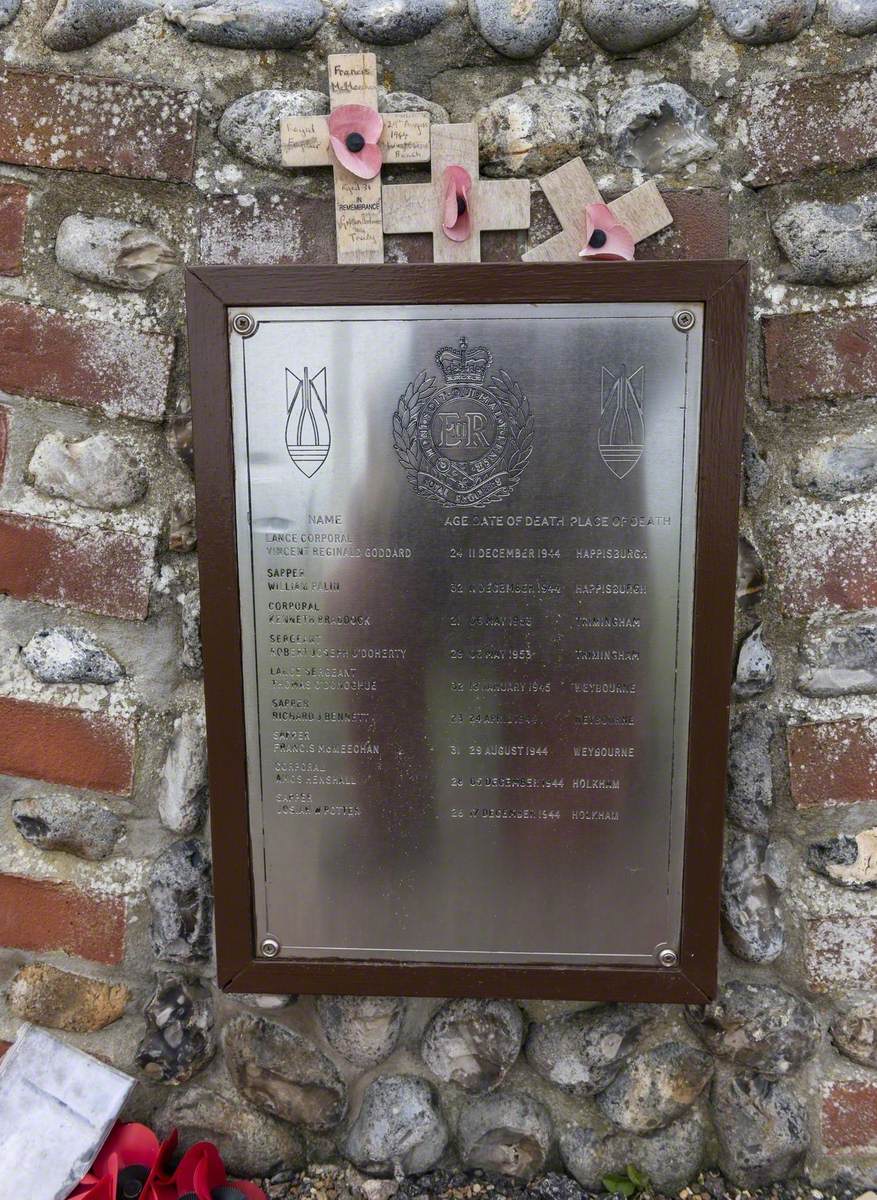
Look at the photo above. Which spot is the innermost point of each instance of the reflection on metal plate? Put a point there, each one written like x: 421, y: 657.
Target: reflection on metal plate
x: 466, y: 542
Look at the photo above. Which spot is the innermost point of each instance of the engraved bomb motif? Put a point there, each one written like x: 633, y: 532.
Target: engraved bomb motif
x: 621, y: 436
x: 308, y: 436
x: 464, y: 444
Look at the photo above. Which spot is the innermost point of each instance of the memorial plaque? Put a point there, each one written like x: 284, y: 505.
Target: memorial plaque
x: 467, y: 543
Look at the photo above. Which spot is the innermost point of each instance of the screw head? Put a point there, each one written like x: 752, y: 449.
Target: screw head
x: 270, y: 947
x: 667, y: 957
x: 243, y: 324
x: 683, y: 320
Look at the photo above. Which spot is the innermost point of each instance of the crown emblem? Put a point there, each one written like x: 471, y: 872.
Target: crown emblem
x: 464, y: 365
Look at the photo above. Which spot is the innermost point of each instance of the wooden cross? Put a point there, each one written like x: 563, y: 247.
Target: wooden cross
x: 493, y: 204
x: 353, y: 79
x: 571, y: 188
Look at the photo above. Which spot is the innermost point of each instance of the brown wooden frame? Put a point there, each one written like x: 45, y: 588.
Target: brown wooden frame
x: 722, y: 287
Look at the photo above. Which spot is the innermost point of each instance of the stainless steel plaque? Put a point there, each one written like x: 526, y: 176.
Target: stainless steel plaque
x: 466, y: 549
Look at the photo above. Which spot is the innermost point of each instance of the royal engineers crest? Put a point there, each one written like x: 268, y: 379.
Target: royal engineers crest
x: 465, y: 443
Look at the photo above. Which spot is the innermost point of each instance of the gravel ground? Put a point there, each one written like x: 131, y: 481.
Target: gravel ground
x: 343, y: 1183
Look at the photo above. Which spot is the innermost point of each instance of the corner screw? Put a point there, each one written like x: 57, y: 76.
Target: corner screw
x: 243, y: 324
x: 684, y: 320
x: 270, y: 947
x: 667, y: 957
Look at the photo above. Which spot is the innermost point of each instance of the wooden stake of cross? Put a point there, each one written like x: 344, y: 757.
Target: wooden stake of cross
x: 353, y: 79
x: 571, y: 188
x: 493, y: 204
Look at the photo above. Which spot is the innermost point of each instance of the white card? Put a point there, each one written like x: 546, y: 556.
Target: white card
x: 57, y: 1106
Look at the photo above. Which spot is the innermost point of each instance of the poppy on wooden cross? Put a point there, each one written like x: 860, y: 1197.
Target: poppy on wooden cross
x: 455, y: 206
x: 355, y: 140
x: 571, y: 191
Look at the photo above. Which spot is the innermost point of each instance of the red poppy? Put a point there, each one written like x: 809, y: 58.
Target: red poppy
x: 354, y: 131
x: 132, y: 1165
x: 605, y: 237
x: 457, y: 222
x: 201, y: 1176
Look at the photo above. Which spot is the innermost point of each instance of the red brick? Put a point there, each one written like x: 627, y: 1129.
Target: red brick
x: 841, y: 952
x: 807, y: 125
x: 66, y: 745
x: 38, y: 915
x: 833, y: 762
x: 4, y: 1046
x: 13, y: 213
x: 85, y: 123
x: 821, y: 355
x: 700, y: 229
x: 5, y: 418
x: 828, y: 566
x: 119, y: 371
x: 101, y: 571
x: 849, y: 1116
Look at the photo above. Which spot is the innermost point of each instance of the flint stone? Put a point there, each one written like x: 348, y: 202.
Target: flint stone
x: 250, y: 126
x: 265, y: 1000
x: 507, y: 1133
x: 840, y: 656
x: 517, y: 30
x: 750, y: 776
x: 850, y: 862
x: 393, y: 22
x: 179, y: 1037
x: 761, y: 22
x: 69, y: 654
x: 181, y: 898
x: 755, y: 666
x: 758, y: 1026
x: 115, y: 253
x: 582, y: 1052
x: 755, y: 470
x: 9, y: 10
x: 182, y: 535
x: 247, y: 24
x: 752, y: 920
x: 473, y: 1043
x: 622, y: 26
x: 761, y: 1126
x: 403, y: 102
x: 838, y: 466
x: 75, y: 24
x: 182, y: 796
x: 828, y: 243
x: 44, y: 995
x: 655, y: 1088
x: 855, y: 1034
x: 659, y: 127
x: 68, y: 823
x: 399, y: 1128
x: 282, y: 1073
x: 670, y: 1157
x: 533, y: 130
x: 97, y: 472
x: 190, y: 627
x: 251, y: 1143
x: 854, y: 17
x: 363, y: 1029
x: 750, y: 573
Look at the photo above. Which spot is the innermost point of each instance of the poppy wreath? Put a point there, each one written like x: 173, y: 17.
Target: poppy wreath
x: 134, y: 1165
